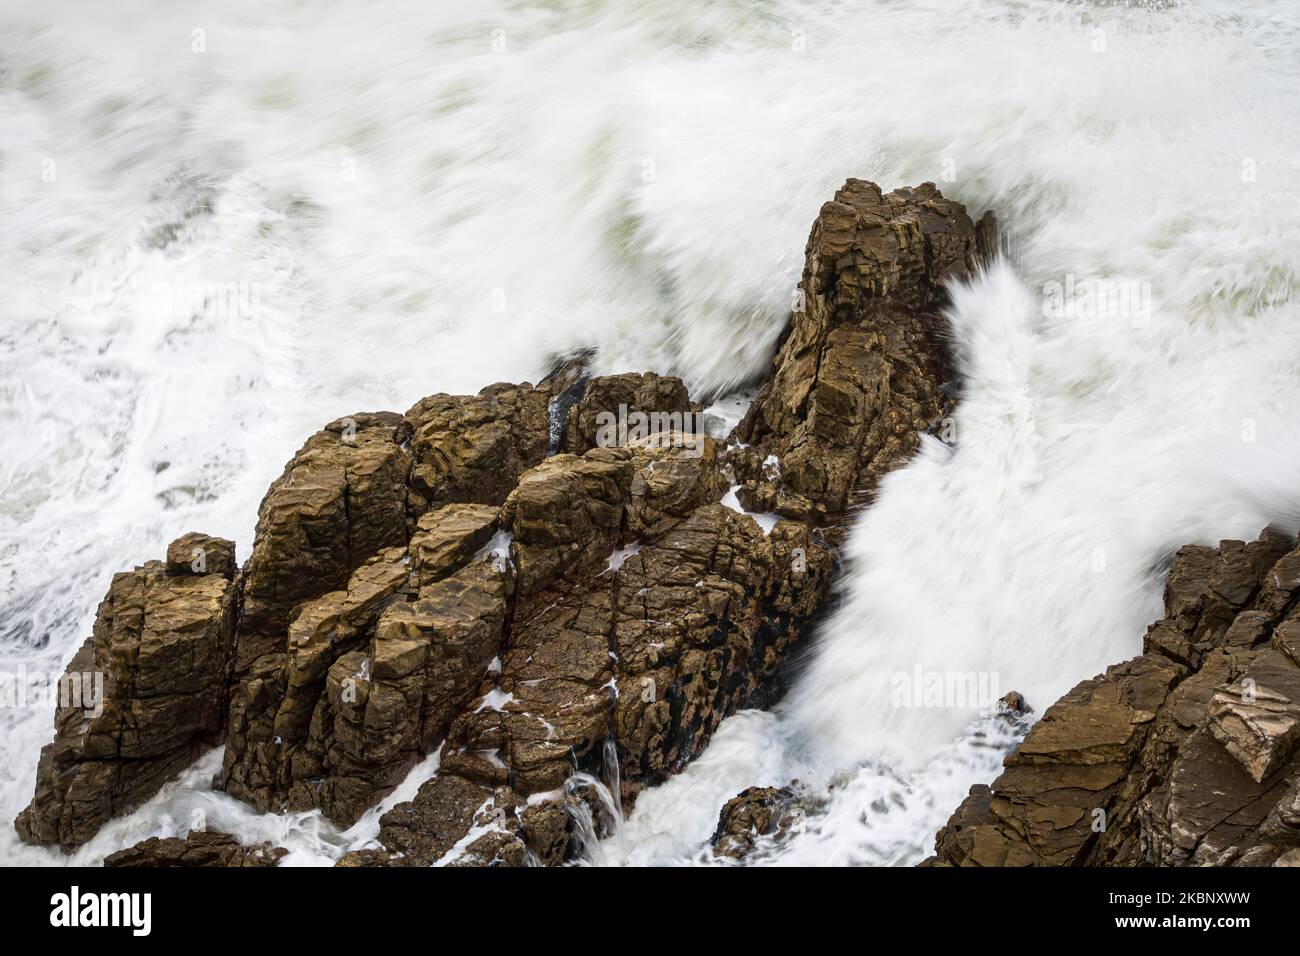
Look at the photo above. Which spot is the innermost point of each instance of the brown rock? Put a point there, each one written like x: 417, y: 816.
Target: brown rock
x: 341, y: 499
x: 160, y: 653
x: 1166, y: 759
x: 612, y: 399
x: 566, y: 514
x: 196, y: 553
x: 755, y: 812
x: 274, y: 755
x: 857, y: 377
x: 446, y: 539
x: 206, y: 848
x: 473, y: 449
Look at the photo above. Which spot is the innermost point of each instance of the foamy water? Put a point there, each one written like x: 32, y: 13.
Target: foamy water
x: 223, y: 227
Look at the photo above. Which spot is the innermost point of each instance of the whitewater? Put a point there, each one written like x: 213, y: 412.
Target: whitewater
x: 222, y: 227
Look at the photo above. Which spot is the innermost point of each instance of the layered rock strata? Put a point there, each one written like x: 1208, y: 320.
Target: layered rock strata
x: 547, y: 584
x: 1184, y: 755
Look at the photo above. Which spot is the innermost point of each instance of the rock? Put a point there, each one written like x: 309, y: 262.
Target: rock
x: 434, y: 582
x: 425, y: 661
x: 956, y: 841
x: 196, y: 553
x: 1259, y: 724
x: 341, y: 498
x: 274, y: 756
x: 472, y: 449
x: 566, y: 514
x: 670, y: 480
x: 613, y: 407
x: 199, y: 848
x: 454, y: 822
x: 161, y: 653
x: 446, y: 539
x: 859, y: 372
x: 755, y: 812
x: 1185, y: 755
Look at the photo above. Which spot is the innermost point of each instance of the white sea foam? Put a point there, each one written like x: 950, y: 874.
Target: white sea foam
x: 331, y: 209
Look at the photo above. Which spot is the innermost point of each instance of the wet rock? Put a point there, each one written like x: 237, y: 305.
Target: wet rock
x: 197, y: 553
x: 427, y: 658
x: 1259, y: 724
x: 1185, y: 755
x: 454, y: 822
x: 613, y: 408
x: 567, y: 514
x: 160, y: 655
x: 199, y: 848
x: 435, y: 581
x: 341, y: 499
x: 956, y: 841
x: 273, y: 757
x: 472, y: 449
x: 446, y: 539
x: 755, y: 812
x: 858, y: 374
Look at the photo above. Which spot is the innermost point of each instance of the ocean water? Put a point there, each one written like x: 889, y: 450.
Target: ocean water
x: 224, y: 225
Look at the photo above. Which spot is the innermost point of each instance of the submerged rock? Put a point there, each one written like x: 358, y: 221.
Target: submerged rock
x: 752, y: 813
x: 1184, y: 755
x: 199, y: 848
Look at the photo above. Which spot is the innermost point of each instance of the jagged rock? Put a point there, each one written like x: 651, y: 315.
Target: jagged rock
x: 453, y: 821
x: 857, y: 377
x: 1259, y: 724
x: 199, y: 848
x: 609, y: 400
x: 474, y: 448
x: 566, y: 513
x: 341, y: 498
x: 447, y: 538
x: 432, y: 580
x: 162, y: 645
x: 671, y: 479
x: 1165, y: 759
x: 197, y: 553
x: 755, y: 812
x: 427, y: 658
x: 272, y: 760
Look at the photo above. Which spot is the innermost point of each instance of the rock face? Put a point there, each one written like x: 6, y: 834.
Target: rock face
x: 341, y: 498
x: 473, y: 448
x: 549, y: 584
x: 619, y: 398
x: 160, y: 654
x: 1185, y: 755
x: 857, y: 377
x: 200, y: 848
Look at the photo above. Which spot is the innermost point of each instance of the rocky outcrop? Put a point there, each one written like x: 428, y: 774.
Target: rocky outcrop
x: 859, y: 373
x: 341, y: 498
x: 752, y: 813
x: 474, y: 448
x: 1184, y: 755
x: 145, y: 694
x: 207, y: 848
x: 612, y: 402
x: 554, y: 584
